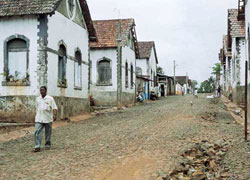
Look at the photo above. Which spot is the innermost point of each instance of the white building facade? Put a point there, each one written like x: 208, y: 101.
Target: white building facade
x: 146, y: 66
x: 233, y: 57
x: 48, y: 47
x: 113, y: 78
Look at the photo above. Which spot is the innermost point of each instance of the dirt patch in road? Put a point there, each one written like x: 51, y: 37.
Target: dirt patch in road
x: 135, y: 168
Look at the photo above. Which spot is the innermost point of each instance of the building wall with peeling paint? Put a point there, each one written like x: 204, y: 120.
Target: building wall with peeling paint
x: 238, y: 62
x: 104, y: 95
x: 26, y: 26
x: 107, y: 95
x: 17, y: 103
x: 247, y: 47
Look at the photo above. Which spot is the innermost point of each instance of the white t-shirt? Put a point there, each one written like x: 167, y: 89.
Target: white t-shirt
x: 196, y: 92
x: 44, y: 109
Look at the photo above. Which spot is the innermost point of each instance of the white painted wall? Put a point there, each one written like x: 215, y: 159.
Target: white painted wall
x: 128, y: 55
x: 178, y: 89
x: 222, y: 77
x: 147, y: 65
x: 96, y: 55
x: 142, y: 63
x: 247, y: 23
x: 242, y: 61
x: 152, y: 66
x: 74, y: 36
x: 27, y: 26
x: 238, y: 54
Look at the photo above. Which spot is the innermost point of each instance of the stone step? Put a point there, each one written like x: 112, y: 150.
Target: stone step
x: 102, y: 107
x: 2, y: 125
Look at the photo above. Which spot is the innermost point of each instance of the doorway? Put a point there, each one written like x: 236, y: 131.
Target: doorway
x: 162, y: 90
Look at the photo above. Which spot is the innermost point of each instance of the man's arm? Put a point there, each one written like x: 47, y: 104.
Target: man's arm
x: 54, y: 108
x: 54, y: 114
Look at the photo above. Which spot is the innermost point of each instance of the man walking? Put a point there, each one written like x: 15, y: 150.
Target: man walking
x: 219, y: 91
x: 46, y: 111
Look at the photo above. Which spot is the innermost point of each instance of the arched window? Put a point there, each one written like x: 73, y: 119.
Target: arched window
x: 155, y: 80
x: 126, y: 74
x: 78, y: 69
x: 104, y: 72
x: 16, y: 50
x: 132, y: 76
x: 151, y: 78
x: 62, y: 60
x: 138, y: 71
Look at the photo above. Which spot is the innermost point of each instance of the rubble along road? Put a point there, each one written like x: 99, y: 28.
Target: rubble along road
x: 138, y: 143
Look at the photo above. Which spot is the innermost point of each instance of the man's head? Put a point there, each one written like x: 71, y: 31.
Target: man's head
x: 43, y: 91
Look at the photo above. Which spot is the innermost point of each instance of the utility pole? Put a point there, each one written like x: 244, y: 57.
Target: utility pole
x: 174, y: 78
x: 119, y: 67
x: 246, y: 89
x: 187, y: 83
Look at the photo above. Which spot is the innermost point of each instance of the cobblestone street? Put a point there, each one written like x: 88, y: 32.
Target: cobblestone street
x: 137, y: 143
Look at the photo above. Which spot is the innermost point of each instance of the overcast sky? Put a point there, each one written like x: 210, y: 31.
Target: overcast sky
x: 188, y: 31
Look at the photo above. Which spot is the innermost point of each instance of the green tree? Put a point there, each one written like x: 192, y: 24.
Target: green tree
x: 159, y: 70
x: 207, y: 86
x: 194, y: 84
x: 216, y: 69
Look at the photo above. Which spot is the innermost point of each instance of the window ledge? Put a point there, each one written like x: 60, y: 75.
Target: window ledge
x: 104, y: 84
x: 77, y: 88
x: 8, y: 83
x: 62, y: 85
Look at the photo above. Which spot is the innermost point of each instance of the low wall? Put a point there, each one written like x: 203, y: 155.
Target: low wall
x: 238, y: 95
x: 71, y: 106
x: 107, y: 98
x: 128, y: 98
x: 22, y: 108
x: 110, y: 98
x: 17, y: 108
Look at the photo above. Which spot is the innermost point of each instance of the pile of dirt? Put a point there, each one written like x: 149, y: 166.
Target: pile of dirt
x: 210, y: 116
x: 202, y: 162
x: 214, y: 100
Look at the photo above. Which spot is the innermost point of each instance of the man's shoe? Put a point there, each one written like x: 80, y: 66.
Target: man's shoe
x: 47, y: 148
x: 37, y: 150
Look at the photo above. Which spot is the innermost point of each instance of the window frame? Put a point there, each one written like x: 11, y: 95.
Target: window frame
x: 138, y: 71
x: 98, y: 83
x: 6, y: 81
x: 126, y: 75
x: 62, y: 57
x: 79, y: 62
x: 131, y: 76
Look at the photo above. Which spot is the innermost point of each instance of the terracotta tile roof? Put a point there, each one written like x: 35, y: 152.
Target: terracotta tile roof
x: 107, y: 32
x: 145, y: 49
x: 27, y: 7
x: 236, y: 27
x: 226, y: 51
x: 38, y: 7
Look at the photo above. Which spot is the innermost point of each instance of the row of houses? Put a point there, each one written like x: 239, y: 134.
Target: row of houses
x: 56, y: 43
x: 235, y: 52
